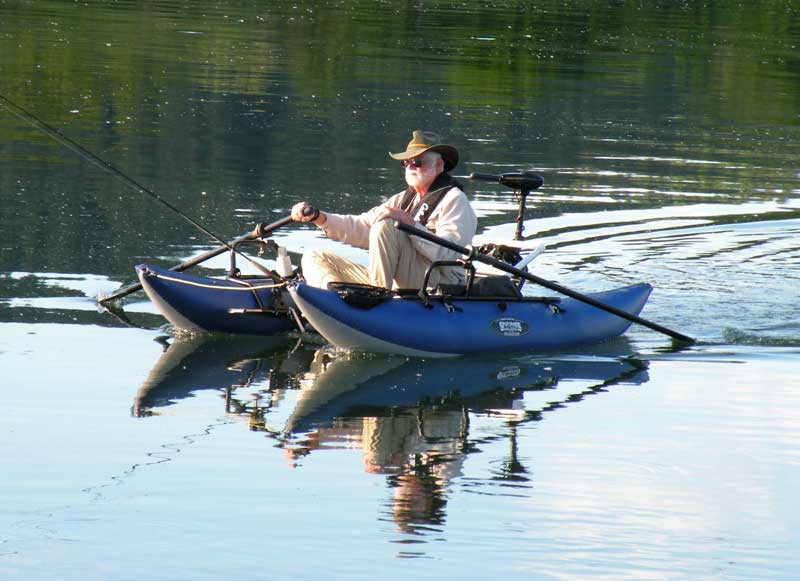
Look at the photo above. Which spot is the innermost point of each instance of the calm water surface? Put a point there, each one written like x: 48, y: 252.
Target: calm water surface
x: 668, y: 138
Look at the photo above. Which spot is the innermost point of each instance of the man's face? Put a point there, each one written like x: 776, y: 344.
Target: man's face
x: 422, y: 170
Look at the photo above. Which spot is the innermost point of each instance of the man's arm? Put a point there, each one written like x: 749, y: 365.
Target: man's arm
x: 354, y: 229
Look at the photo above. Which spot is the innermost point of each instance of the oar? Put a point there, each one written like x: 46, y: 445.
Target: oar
x: 263, y: 230
x: 504, y: 266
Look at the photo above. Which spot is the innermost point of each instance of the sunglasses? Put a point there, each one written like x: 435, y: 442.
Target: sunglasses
x: 416, y: 162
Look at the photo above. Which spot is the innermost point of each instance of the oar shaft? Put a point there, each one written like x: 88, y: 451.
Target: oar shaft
x: 504, y: 266
x: 264, y: 230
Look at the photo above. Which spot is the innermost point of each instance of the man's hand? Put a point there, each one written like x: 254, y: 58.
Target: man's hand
x: 394, y: 214
x: 302, y: 212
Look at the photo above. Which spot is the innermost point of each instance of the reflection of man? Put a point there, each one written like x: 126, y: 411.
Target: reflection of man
x: 420, y: 449
x: 421, y: 453
x: 433, y: 200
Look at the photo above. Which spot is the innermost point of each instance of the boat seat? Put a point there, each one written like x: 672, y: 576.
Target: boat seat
x: 360, y: 295
x: 519, y: 257
x: 509, y: 254
x: 484, y: 286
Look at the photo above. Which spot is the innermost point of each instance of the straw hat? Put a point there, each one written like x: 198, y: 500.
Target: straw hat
x: 423, y: 141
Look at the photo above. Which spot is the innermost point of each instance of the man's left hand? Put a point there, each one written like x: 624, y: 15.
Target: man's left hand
x: 394, y: 214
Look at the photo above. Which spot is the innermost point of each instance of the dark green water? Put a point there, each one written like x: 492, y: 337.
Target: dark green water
x: 668, y: 137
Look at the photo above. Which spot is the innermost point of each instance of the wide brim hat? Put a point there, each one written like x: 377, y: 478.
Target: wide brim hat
x: 423, y: 141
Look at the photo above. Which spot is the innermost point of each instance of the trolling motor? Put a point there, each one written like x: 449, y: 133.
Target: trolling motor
x: 523, y: 183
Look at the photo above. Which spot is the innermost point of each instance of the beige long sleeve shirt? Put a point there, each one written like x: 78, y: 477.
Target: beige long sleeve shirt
x: 453, y: 219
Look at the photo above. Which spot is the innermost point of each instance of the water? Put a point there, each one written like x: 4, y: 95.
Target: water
x: 667, y: 136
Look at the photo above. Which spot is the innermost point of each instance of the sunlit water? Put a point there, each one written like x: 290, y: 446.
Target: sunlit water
x: 668, y: 142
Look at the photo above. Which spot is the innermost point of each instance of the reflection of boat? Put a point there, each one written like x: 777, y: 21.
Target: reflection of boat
x: 246, y: 305
x: 360, y: 386
x: 336, y: 385
x: 213, y: 363
x: 457, y: 325
x: 410, y: 417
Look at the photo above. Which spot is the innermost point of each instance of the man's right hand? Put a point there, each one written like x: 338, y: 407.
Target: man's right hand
x: 303, y: 212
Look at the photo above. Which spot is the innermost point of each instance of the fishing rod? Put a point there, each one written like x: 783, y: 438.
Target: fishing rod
x: 84, y: 153
x: 75, y: 147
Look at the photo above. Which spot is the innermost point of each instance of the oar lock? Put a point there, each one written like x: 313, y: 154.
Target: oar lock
x: 283, y: 262
x: 264, y: 245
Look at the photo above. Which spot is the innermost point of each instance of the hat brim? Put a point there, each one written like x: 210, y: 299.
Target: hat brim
x: 448, y: 152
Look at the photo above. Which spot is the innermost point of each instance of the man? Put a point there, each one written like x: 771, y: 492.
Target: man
x: 433, y: 200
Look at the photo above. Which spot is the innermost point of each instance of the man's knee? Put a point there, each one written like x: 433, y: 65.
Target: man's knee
x: 312, y: 264
x: 321, y: 267
x: 386, y: 235
x: 383, y: 230
x: 312, y: 258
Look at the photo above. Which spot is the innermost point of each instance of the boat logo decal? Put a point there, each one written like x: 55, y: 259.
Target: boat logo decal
x: 509, y: 372
x: 510, y: 327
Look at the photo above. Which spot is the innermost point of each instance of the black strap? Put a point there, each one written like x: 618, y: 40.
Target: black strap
x: 422, y: 210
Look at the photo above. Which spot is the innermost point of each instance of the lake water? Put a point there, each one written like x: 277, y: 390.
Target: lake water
x: 668, y: 135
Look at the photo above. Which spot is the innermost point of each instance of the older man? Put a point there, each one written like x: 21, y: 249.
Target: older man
x: 433, y: 200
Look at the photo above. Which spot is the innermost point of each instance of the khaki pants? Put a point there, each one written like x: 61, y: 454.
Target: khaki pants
x: 393, y: 263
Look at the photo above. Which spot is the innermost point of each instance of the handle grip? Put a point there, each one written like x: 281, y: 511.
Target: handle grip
x: 261, y: 230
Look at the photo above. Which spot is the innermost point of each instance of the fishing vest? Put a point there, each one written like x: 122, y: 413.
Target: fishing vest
x: 422, y: 210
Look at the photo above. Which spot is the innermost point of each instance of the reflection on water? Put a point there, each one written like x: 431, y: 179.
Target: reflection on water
x: 668, y: 136
x: 223, y: 364
x: 408, y: 418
